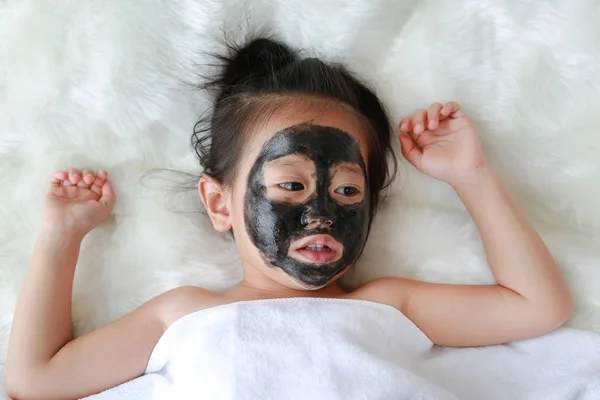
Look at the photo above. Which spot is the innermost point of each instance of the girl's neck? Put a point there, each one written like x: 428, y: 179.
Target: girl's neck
x: 263, y: 287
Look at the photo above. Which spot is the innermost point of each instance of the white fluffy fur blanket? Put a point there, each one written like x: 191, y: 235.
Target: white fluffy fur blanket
x: 105, y: 84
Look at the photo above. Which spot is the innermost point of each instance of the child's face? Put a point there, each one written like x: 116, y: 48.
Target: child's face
x: 299, y: 207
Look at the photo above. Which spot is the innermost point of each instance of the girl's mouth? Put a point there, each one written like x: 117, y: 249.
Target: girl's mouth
x: 316, y: 249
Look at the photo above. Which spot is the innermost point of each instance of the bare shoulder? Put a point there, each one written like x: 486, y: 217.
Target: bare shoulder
x: 391, y: 291
x: 184, y: 300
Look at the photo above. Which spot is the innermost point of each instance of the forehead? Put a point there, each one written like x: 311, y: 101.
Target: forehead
x: 322, y: 144
x: 336, y: 116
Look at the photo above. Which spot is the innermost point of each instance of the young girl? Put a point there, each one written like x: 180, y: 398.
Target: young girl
x: 295, y: 157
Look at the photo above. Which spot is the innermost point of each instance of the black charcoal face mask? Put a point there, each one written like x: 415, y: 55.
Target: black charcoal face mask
x: 273, y: 225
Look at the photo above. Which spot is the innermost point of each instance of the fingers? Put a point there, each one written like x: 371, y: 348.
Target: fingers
x: 422, y: 120
x: 406, y: 125
x: 73, y: 178
x: 452, y: 109
x: 87, y: 178
x: 103, y: 188
x: 419, y: 121
x: 58, y: 178
x: 430, y: 119
x: 96, y: 186
x: 433, y: 116
x: 108, y: 194
x: 99, y: 181
x: 422, y: 129
x: 410, y: 151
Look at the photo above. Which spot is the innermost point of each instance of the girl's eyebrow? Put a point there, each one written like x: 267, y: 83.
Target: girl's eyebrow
x: 349, y: 168
x: 285, y: 163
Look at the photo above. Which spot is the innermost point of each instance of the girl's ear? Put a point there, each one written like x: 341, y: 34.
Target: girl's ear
x: 215, y: 196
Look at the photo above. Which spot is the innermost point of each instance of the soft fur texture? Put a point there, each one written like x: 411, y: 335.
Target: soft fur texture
x: 108, y: 85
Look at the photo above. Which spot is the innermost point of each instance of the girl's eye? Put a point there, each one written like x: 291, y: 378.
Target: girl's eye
x: 348, y: 191
x: 292, y: 186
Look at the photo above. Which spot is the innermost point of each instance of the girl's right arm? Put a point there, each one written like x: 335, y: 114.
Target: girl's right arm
x: 44, y: 362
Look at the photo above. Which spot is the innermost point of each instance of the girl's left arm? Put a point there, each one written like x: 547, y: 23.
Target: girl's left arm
x: 530, y: 297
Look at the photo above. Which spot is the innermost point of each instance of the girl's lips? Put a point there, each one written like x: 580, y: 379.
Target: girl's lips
x: 316, y: 257
x: 316, y: 249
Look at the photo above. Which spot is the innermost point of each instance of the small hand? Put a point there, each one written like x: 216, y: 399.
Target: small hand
x: 447, y: 146
x: 77, y: 202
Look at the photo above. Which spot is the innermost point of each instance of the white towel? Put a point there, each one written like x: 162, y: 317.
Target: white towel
x: 292, y: 349
x: 349, y: 349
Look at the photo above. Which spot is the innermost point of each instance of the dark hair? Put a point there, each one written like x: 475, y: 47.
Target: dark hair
x: 253, y: 76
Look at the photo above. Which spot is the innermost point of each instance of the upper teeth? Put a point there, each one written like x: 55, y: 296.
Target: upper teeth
x: 316, y: 247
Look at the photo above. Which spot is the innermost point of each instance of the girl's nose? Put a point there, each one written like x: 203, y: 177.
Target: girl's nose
x: 314, y: 222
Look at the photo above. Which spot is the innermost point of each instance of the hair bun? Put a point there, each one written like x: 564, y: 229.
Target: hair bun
x: 248, y: 67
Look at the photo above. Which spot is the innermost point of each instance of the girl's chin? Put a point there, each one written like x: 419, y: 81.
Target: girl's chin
x: 300, y: 285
